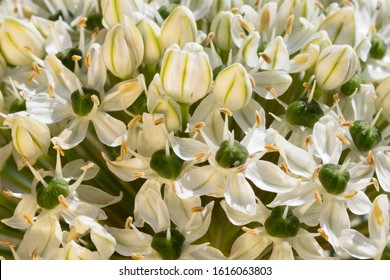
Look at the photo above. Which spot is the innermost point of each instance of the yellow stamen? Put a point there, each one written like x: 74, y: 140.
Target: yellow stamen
x: 258, y: 119
x: 197, y: 209
x: 124, y: 147
x: 234, y: 10
x: 51, y: 90
x: 289, y: 25
x: 226, y: 111
x: 7, y: 243
x: 28, y: 49
x: 323, y: 234
x: 284, y: 168
x: 199, y: 156
x: 271, y: 148
x: 136, y: 256
x: 36, y: 67
x: 319, y: 5
x: 198, y: 126
x: 378, y: 215
x: 307, y: 141
x: 345, y: 123
x: 128, y: 223
x: 88, y: 166
x: 63, y: 201
x: 28, y: 218
x: 372, y: 29
x: 138, y: 174
x: 173, y: 186
x: 370, y: 159
x: 347, y: 3
x: 7, y: 192
x: 159, y: 121
x: 265, y: 57
x: 240, y: 168
x: 118, y: 158
x: 73, y: 234
x: 31, y: 77
x: 88, y: 60
x: 252, y: 80
x: 34, y: 254
x: 246, y: 25
x: 209, y: 38
x: 307, y: 86
x: 317, y: 196
x: 350, y: 194
x: 82, y: 22
x: 76, y: 57
x: 58, y: 149
x: 314, y: 176
x: 272, y: 91
x: 134, y: 120
x: 243, y: 36
x: 250, y: 230
x: 342, y: 139
x: 95, y: 99
x: 376, y: 184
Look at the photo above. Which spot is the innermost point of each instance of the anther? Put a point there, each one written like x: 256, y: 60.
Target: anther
x: 347, y: 3
x: 198, y: 126
x: 36, y: 67
x: 28, y: 49
x: 95, y: 99
x: 136, y: 256
x: 197, y: 209
x: 82, y: 22
x: 28, y: 218
x: 289, y: 24
x: 88, y: 166
x: 271, y: 148
x: 375, y: 183
x: 243, y: 36
x: 128, y: 223
x: 284, y: 168
x: 307, y: 141
x: 72, y: 234
x: 372, y: 29
x: 134, y: 120
x: 118, y: 158
x: 51, y: 90
x: 226, y: 111
x: 124, y: 147
x: 209, y: 38
x: 319, y: 5
x: 370, y: 159
x: 246, y: 25
x: 317, y: 196
x: 265, y: 57
x: 323, y: 234
x: 199, y: 156
x: 7, y: 243
x: 342, y: 139
x: 272, y: 91
x: 241, y: 168
x: 159, y: 121
x: 31, y: 77
x: 63, y: 201
x: 88, y: 59
x: 258, y: 119
x: 138, y: 174
x: 234, y: 10
x: 34, y: 254
x: 58, y: 149
x: 307, y: 86
x: 314, y: 176
x: 250, y: 230
x: 76, y: 57
x: 7, y: 192
x: 350, y: 194
x: 345, y: 123
x: 252, y: 80
x: 173, y: 187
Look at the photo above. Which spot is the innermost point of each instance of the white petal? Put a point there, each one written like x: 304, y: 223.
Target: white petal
x: 246, y: 117
x: 188, y: 148
x: 248, y: 246
x: 282, y: 251
x: 239, y: 218
x: 79, y: 208
x: 357, y: 245
x: 72, y: 135
x: 155, y: 136
x: 239, y: 194
x: 96, y: 196
x: 378, y: 222
x: 382, y: 169
x: 206, y: 107
x: 278, y: 53
x: 200, y: 181
x: 359, y: 204
x: 201, y: 252
x: 128, y: 169
x: 268, y: 176
x: 47, y: 109
x: 198, y: 228
x: 73, y: 251
x: 28, y: 205
x: 129, y: 242
x: 104, y: 242
x: 109, y: 130
x: 299, y: 195
x: 278, y: 80
x: 73, y: 170
x: 5, y: 153
x: 307, y: 246
x: 214, y: 129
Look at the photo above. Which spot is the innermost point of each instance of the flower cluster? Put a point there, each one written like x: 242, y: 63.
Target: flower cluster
x: 225, y: 129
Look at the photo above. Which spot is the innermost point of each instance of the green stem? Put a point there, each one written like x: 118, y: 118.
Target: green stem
x: 184, y: 109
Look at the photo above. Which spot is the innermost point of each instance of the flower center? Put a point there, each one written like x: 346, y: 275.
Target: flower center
x: 282, y: 223
x: 82, y: 102
x: 378, y: 48
x: 169, y: 248
x: 364, y: 135
x: 68, y: 58
x: 167, y: 165
x: 47, y: 196
x: 301, y: 112
x: 231, y: 154
x: 333, y: 178
x: 352, y: 85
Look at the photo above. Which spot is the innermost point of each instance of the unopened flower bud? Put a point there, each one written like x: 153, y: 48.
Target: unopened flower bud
x: 336, y: 65
x: 186, y: 74
x: 232, y: 88
x: 114, y: 11
x: 31, y: 138
x: 383, y: 100
x: 221, y: 26
x: 18, y: 38
x: 123, y: 49
x: 178, y: 28
x: 151, y: 34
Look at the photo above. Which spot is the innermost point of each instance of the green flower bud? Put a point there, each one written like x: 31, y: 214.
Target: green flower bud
x: 333, y: 179
x: 47, y: 197
x: 378, y: 48
x: 353, y: 84
x: 278, y: 226
x: 165, y: 11
x: 66, y: 58
x: 386, y: 252
x: 231, y: 154
x: 167, y: 166
x: 300, y: 112
x: 82, y: 103
x: 17, y: 105
x: 168, y: 249
x: 364, y: 135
